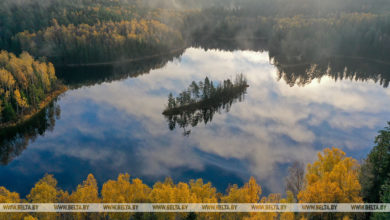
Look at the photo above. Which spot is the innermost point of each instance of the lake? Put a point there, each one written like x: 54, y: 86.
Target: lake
x: 112, y: 123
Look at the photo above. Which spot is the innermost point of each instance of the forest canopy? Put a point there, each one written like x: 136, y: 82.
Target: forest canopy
x: 82, y: 31
x: 100, y: 42
x: 24, y: 84
x: 302, y: 36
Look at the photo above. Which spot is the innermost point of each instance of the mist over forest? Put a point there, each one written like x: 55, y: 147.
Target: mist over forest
x: 293, y: 31
x: 226, y: 18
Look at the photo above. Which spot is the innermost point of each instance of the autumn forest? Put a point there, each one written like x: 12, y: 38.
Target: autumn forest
x: 252, y: 87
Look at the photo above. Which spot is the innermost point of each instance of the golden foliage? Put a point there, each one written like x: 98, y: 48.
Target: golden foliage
x: 29, y: 217
x: 249, y: 193
x: 9, y: 197
x: 122, y: 191
x: 109, y: 39
x: 44, y: 191
x: 87, y: 192
x: 169, y: 192
x: 6, y: 79
x: 24, y: 80
x: 22, y: 101
x: 332, y: 178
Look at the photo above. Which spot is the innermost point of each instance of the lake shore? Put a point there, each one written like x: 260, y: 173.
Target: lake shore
x: 42, y: 105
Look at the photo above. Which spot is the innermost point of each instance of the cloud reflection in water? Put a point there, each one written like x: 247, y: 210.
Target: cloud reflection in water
x: 118, y: 126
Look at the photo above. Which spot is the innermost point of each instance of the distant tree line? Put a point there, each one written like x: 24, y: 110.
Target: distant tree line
x: 34, y: 15
x: 100, y: 42
x: 300, y: 39
x: 79, y: 31
x: 65, y: 30
x: 345, y: 45
x: 353, y: 46
x: 337, y: 68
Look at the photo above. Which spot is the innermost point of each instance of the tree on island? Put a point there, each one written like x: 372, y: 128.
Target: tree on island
x: 201, y: 100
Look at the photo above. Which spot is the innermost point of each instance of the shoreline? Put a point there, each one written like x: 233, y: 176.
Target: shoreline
x: 129, y: 60
x: 42, y: 105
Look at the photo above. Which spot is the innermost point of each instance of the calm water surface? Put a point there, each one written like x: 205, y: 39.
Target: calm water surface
x: 117, y: 127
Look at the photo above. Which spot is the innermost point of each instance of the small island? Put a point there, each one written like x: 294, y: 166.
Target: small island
x: 201, y: 100
x: 26, y: 87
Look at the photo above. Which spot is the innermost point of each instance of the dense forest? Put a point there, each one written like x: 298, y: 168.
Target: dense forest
x: 100, y: 42
x: 85, y: 31
x: 375, y: 175
x: 306, y: 39
x: 26, y: 86
x: 301, y: 38
x: 202, y: 100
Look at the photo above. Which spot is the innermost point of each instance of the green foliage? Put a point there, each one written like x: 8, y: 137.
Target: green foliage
x: 100, y: 42
x: 352, y: 44
x: 202, y: 100
x: 8, y: 113
x: 34, y: 15
x: 28, y: 25
x: 385, y: 198
x: 79, y: 31
x: 300, y: 38
x: 224, y: 92
x: 375, y: 174
x: 24, y: 82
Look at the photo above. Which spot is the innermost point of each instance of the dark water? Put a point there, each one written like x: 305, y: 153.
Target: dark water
x: 111, y: 122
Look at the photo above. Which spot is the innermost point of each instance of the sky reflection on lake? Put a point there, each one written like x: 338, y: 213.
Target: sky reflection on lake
x: 118, y: 127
